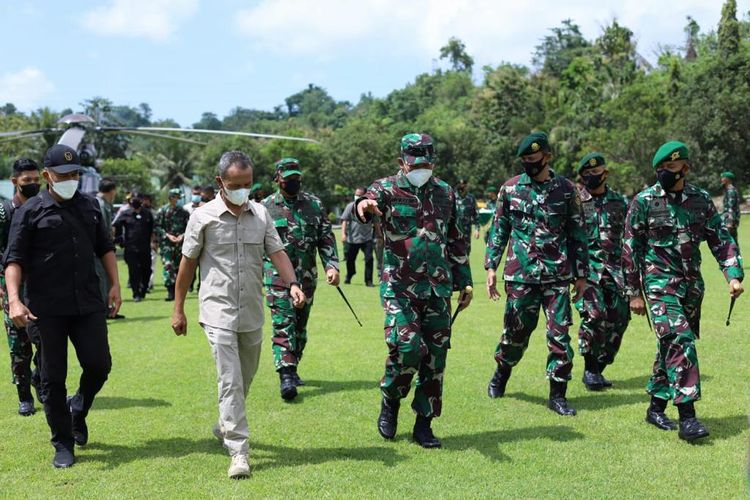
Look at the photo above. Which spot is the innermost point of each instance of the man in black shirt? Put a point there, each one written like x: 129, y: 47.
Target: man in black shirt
x: 54, y: 239
x: 133, y: 230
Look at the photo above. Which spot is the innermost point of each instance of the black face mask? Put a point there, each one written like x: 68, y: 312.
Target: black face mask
x: 29, y: 190
x: 668, y: 179
x: 135, y: 203
x: 533, y: 168
x: 291, y: 186
x: 258, y: 197
x: 592, y: 181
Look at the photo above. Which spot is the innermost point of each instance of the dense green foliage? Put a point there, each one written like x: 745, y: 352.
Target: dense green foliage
x: 598, y: 94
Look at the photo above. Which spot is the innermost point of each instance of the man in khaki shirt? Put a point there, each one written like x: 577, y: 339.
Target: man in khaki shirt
x: 228, y: 236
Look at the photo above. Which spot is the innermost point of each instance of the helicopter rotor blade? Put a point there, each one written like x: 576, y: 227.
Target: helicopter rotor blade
x: 152, y: 134
x: 22, y: 136
x: 215, y: 132
x: 27, y: 133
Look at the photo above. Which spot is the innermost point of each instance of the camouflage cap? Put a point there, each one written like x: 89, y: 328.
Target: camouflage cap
x: 727, y: 174
x: 671, y: 151
x: 532, y: 143
x: 175, y: 192
x: 288, y: 166
x: 591, y: 160
x: 417, y: 149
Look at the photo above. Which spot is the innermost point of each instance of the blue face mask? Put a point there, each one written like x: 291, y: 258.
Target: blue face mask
x: 196, y: 198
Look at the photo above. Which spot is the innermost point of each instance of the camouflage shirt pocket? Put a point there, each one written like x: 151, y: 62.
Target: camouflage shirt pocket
x: 404, y: 219
x: 556, y: 213
x: 662, y: 232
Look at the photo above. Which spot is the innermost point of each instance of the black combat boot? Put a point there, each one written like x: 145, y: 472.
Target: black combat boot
x: 557, y: 401
x: 496, y: 388
x: 592, y: 379
x: 297, y: 381
x: 690, y: 427
x: 655, y: 415
x: 388, y: 419
x: 423, y: 435
x: 170, y: 293
x: 64, y: 457
x: 286, y: 384
x: 78, y: 420
x: 25, y: 400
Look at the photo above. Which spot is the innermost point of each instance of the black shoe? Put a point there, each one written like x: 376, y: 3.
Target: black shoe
x: 496, y: 388
x: 297, y: 381
x: 423, y: 435
x: 593, y: 381
x: 348, y: 281
x: 691, y: 429
x: 605, y: 382
x: 170, y: 294
x: 370, y: 284
x: 137, y: 299
x: 78, y: 422
x: 388, y: 419
x: 660, y: 420
x: 561, y: 407
x: 118, y: 316
x: 26, y: 408
x: 64, y: 458
x: 286, y: 384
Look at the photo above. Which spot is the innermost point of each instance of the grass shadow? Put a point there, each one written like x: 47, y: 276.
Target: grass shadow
x: 724, y: 427
x: 487, y: 443
x: 118, y: 403
x: 265, y: 456
x: 314, y: 388
x: 598, y: 401
x: 128, y: 319
x: 640, y: 382
x: 113, y: 455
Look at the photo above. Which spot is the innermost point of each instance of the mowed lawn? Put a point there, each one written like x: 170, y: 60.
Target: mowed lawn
x: 151, y: 436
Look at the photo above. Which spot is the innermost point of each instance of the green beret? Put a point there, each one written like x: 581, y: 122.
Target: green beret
x: 491, y: 189
x: 532, y: 143
x: 591, y: 160
x: 728, y: 175
x: 671, y: 151
x: 175, y: 192
x: 256, y: 187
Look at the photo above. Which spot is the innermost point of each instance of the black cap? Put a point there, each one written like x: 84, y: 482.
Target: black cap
x: 62, y: 159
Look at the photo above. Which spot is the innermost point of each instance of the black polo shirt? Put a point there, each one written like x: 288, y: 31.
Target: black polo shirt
x: 133, y: 230
x: 57, y: 256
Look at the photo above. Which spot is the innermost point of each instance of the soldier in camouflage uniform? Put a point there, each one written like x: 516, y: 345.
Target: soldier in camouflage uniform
x: 25, y: 179
x: 604, y: 307
x: 466, y: 206
x: 539, y: 213
x: 169, y: 228
x: 664, y: 227
x: 425, y: 261
x: 301, y: 222
x: 730, y: 214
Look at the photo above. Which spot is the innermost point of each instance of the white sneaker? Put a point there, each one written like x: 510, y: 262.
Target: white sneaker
x: 239, y: 467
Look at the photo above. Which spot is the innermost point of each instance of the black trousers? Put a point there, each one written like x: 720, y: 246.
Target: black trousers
x: 88, y: 333
x: 352, y: 249
x: 139, y: 270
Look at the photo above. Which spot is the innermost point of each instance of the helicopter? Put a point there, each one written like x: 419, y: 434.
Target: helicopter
x: 76, y: 126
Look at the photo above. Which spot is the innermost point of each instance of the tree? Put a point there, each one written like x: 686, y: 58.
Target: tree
x: 557, y: 50
x: 729, y: 30
x: 455, y: 52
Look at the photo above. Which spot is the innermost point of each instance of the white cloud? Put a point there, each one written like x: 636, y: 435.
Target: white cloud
x: 154, y: 20
x: 492, y: 30
x: 25, y: 88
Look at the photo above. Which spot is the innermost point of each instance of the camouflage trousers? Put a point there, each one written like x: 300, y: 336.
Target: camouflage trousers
x: 676, y: 320
x: 521, y: 316
x: 21, y: 351
x: 170, y: 259
x: 417, y: 333
x: 289, y: 326
x: 605, y: 313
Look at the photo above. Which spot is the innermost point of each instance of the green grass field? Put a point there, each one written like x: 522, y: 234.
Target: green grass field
x: 150, y: 426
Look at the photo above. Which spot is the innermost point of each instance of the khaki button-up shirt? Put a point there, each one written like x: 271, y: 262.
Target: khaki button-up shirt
x: 230, y: 252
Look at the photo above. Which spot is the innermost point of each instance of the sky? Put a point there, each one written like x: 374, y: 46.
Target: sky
x: 185, y: 57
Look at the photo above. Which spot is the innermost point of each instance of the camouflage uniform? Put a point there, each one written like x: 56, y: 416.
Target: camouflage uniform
x: 19, y: 342
x: 304, y: 229
x: 466, y: 213
x: 731, y: 210
x: 662, y: 243
x: 543, y: 223
x: 425, y: 260
x: 604, y: 307
x: 170, y: 220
